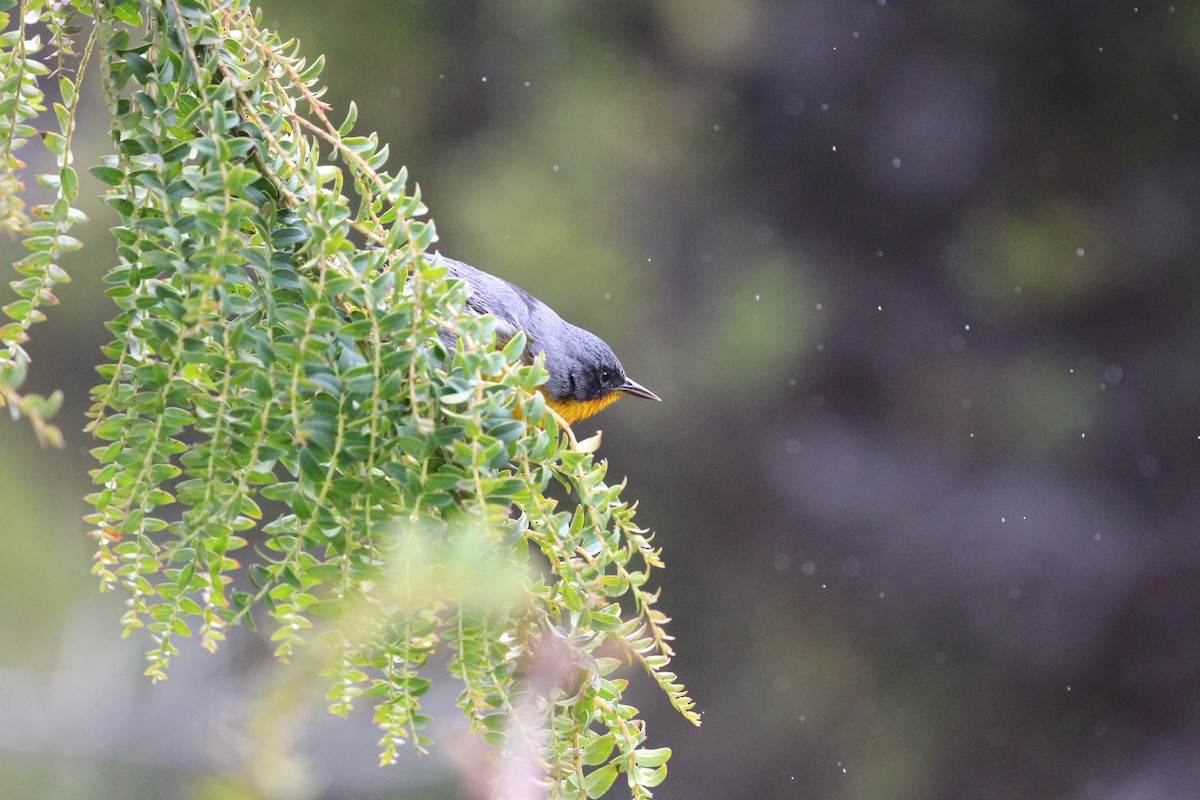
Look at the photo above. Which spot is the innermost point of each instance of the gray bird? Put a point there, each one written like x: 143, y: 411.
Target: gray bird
x: 585, y: 375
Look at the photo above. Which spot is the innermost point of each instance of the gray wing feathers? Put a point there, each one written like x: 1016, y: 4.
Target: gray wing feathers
x: 514, y: 307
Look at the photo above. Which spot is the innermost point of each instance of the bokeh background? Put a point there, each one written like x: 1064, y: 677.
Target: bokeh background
x: 918, y: 284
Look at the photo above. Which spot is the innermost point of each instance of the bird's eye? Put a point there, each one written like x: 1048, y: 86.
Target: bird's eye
x: 605, y: 376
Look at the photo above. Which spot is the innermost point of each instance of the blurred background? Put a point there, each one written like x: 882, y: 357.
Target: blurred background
x: 918, y: 284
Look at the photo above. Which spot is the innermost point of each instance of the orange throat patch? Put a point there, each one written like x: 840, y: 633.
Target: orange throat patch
x: 574, y: 410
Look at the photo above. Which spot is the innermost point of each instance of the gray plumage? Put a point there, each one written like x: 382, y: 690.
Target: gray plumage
x: 580, y: 364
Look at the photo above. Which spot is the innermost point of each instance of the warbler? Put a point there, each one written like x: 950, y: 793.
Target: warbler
x: 585, y: 375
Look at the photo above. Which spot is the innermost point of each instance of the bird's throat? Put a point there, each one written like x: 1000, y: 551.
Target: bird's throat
x: 574, y: 410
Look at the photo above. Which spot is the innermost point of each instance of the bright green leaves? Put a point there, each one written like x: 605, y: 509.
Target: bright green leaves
x: 43, y: 228
x: 286, y: 436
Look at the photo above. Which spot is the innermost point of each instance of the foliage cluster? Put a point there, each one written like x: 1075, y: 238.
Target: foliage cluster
x: 282, y: 430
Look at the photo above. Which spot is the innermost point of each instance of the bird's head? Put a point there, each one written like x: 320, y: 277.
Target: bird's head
x: 585, y: 375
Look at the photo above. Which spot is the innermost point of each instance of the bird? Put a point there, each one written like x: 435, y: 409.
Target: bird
x: 584, y: 374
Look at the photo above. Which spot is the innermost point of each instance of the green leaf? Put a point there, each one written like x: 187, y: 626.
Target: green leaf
x: 285, y: 237
x: 107, y: 175
x: 310, y: 468
x: 55, y: 142
x: 589, y: 445
x: 142, y: 69
x: 606, y: 620
x: 650, y: 778
x: 69, y: 181
x: 351, y: 117
x: 652, y: 758
x: 128, y: 13
x: 599, y: 749
x: 515, y: 347
x: 600, y: 781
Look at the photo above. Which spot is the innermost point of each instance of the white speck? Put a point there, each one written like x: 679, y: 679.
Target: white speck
x: 881, y: 595
x: 855, y: 34
x: 484, y: 78
x: 824, y: 106
x: 1079, y: 251
x: 802, y: 718
x: 896, y: 163
x: 1068, y: 687
x: 757, y: 297
x: 1002, y: 519
x: 1095, y: 537
x: 1083, y: 436
x: 791, y: 381
x: 716, y: 127
x: 1101, y: 49
x: 818, y: 306
x: 526, y: 84
x: 441, y: 77
x: 835, y: 148
x: 879, y: 308
x: 607, y: 296
x: 966, y: 327
x: 820, y: 346
x: 879, y: 254
x: 1016, y: 290
x: 556, y: 167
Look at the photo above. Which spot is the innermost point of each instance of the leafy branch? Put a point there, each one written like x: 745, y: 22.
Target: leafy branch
x: 285, y: 439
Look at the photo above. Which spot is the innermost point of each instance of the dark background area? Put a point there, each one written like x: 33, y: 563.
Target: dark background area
x: 917, y: 282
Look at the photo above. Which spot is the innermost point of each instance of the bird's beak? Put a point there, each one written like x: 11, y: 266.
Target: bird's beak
x: 637, y: 390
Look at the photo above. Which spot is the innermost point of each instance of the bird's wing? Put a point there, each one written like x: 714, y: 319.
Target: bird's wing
x: 511, y: 305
